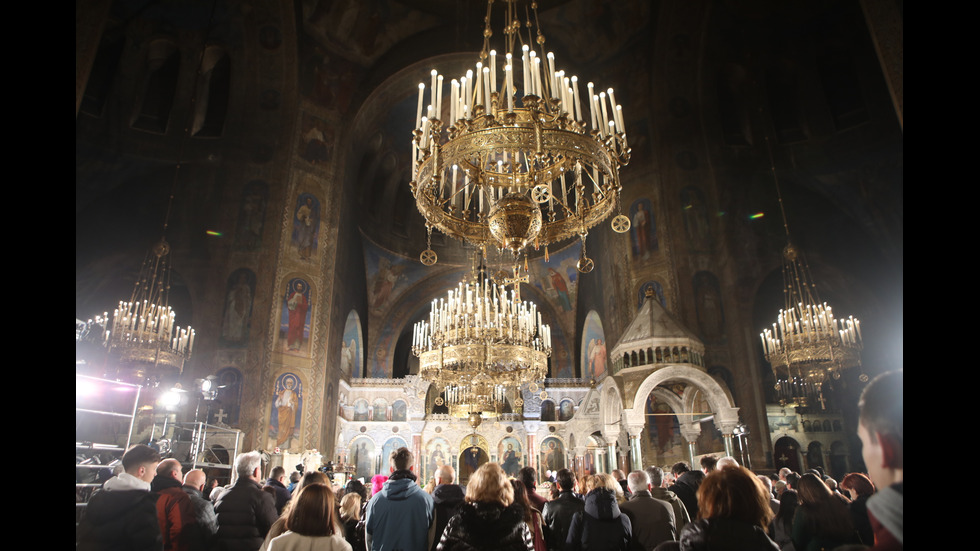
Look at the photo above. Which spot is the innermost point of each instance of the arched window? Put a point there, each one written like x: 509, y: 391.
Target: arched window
x: 158, y: 87
x: 213, y: 89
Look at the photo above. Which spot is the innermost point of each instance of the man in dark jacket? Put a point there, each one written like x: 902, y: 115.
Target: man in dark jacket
x: 175, y: 512
x: 681, y: 517
x: 652, y: 520
x: 558, y: 513
x: 277, y: 481
x: 245, y: 513
x: 686, y: 486
x: 205, y: 522
x: 122, y: 515
x: 447, y: 497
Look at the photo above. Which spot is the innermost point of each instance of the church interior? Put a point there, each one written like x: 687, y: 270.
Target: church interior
x: 270, y: 143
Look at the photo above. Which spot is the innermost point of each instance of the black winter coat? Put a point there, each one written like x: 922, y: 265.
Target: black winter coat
x: 487, y: 527
x: 557, y: 516
x: 123, y: 520
x: 601, y: 526
x: 723, y: 534
x: 447, y: 499
x: 245, y: 514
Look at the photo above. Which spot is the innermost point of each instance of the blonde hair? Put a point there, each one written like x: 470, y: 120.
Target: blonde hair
x: 601, y: 480
x: 489, y: 484
x: 350, y: 507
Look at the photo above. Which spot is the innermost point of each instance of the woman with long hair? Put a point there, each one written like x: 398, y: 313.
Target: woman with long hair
x: 350, y: 515
x: 601, y: 526
x: 822, y: 520
x: 781, y: 529
x: 279, y: 526
x: 733, y: 514
x: 861, y: 488
x: 532, y: 516
x: 488, y: 518
x: 311, y: 524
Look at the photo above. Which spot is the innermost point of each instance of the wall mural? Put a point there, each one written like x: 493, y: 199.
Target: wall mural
x: 294, y: 329
x: 306, y: 225
x: 552, y: 454
x: 643, y: 229
x: 509, y: 455
x: 251, y: 216
x: 390, y: 445
x: 566, y: 410
x: 558, y: 279
x: 658, y: 291
x: 437, y: 454
x: 351, y: 349
x: 593, y: 347
x: 287, y: 408
x: 361, y: 410
x: 240, y: 289
x: 697, y: 227
x: 399, y: 411
x: 388, y: 275
x: 664, y: 432
x: 707, y: 298
x: 473, y: 453
x: 361, y: 455
x: 317, y: 140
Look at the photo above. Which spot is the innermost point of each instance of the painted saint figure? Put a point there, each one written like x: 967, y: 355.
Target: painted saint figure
x: 285, y: 404
x: 305, y: 226
x: 558, y: 282
x: 297, y: 305
x: 238, y: 306
x: 511, y: 463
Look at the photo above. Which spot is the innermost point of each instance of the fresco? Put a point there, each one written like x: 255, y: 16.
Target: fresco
x: 509, y: 455
x: 593, y: 347
x: 388, y: 275
x: 664, y: 432
x: 390, y: 445
x: 643, y: 229
x: 552, y: 454
x: 294, y: 330
x: 707, y: 298
x: 240, y: 290
x: 351, y: 349
x: 287, y: 409
x: 251, y: 216
x: 317, y: 140
x: 306, y: 225
x: 566, y: 410
x: 697, y: 227
x: 437, y: 454
x: 557, y: 279
x: 361, y: 456
x: 658, y: 291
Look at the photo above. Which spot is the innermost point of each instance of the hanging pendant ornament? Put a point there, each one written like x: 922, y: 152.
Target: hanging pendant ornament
x: 440, y: 401
x: 621, y: 224
x: 428, y: 256
x: 540, y: 193
x: 584, y: 264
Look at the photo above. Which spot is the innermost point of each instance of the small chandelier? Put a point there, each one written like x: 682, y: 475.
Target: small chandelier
x: 807, y: 343
x: 517, y: 171
x: 142, y: 331
x: 479, y: 344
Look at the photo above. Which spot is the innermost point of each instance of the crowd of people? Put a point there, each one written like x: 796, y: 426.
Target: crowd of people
x: 721, y: 506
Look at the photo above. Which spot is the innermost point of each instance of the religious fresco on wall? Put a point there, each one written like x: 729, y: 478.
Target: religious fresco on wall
x: 471, y: 457
x: 562, y: 361
x: 552, y: 454
x: 294, y: 329
x: 364, y: 30
x: 557, y: 279
x: 707, y: 299
x: 227, y: 403
x: 306, y: 225
x: 597, y: 27
x: 362, y: 410
x: 710, y: 440
x: 643, y: 229
x: 380, y: 409
x: 548, y: 410
x: 566, y: 410
x: 663, y: 432
x: 318, y: 140
x: 658, y: 291
x: 399, y: 411
x: 436, y: 455
x: 328, y: 80
x: 361, y: 454
x: 251, y: 216
x: 389, y: 446
x: 593, y: 347
x: 351, y: 351
x: 240, y: 289
x: 509, y: 455
x: 697, y: 225
x: 388, y: 275
x: 287, y: 408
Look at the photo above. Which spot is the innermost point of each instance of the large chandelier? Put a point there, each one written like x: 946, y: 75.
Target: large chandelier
x: 480, y: 346
x: 517, y: 162
x: 142, y: 331
x: 807, y: 343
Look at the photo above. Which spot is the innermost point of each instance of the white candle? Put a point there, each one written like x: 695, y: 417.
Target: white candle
x: 418, y: 111
x: 493, y: 70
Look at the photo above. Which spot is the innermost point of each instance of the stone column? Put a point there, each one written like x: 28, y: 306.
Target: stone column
x: 613, y: 458
x: 417, y: 427
x: 579, y: 460
x: 726, y: 426
x: 636, y: 451
x: 690, y: 433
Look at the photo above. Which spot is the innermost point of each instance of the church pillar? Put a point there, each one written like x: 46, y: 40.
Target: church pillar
x: 531, y: 455
x: 690, y: 433
x: 636, y: 452
x: 727, y: 429
x: 579, y: 460
x: 611, y: 454
x: 599, y: 460
x: 417, y: 427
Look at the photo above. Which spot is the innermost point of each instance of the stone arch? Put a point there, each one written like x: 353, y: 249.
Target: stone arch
x: 718, y: 398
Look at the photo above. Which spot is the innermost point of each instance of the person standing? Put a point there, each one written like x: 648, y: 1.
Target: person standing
x: 881, y: 429
x: 447, y: 498
x: 558, y: 512
x: 205, y: 522
x: 245, y: 513
x: 652, y: 520
x: 175, y: 512
x: 399, y: 517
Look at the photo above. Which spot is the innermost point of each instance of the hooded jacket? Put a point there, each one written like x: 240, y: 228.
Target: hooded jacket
x: 601, y: 527
x: 122, y: 515
x: 399, y: 516
x: 175, y: 512
x: 447, y: 499
x: 686, y: 487
x: 485, y: 527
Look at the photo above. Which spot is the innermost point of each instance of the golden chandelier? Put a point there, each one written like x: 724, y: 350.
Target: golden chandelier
x: 517, y: 163
x: 807, y: 343
x: 480, y: 346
